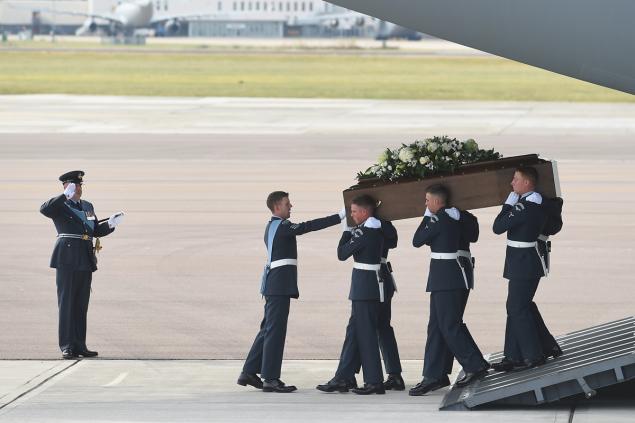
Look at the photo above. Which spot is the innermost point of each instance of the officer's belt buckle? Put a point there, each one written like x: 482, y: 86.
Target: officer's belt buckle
x: 85, y: 237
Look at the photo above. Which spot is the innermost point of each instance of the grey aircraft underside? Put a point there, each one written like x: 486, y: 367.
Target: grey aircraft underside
x: 591, y: 40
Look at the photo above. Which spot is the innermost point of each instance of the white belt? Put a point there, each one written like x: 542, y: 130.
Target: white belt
x: 374, y: 268
x: 452, y: 256
x: 384, y: 260
x: 543, y: 238
x: 364, y: 266
x: 521, y: 244
x: 283, y: 262
x: 444, y: 256
x: 464, y: 253
x: 534, y: 245
x: 76, y: 236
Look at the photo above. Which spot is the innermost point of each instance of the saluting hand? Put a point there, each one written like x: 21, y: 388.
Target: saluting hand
x: 69, y: 192
x: 342, y: 213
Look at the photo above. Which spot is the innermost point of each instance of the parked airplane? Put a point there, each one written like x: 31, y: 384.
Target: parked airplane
x: 589, y: 40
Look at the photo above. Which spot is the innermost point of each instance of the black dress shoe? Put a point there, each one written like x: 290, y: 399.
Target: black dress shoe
x: 530, y: 364
x: 394, y: 382
x: 336, y: 385
x: 470, y: 377
x: 554, y: 352
x: 370, y: 388
x: 428, y: 385
x: 87, y: 353
x: 250, y: 379
x: 68, y: 354
x: 276, y: 385
x: 505, y: 365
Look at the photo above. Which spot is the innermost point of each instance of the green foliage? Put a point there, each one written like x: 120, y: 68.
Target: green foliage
x: 426, y: 158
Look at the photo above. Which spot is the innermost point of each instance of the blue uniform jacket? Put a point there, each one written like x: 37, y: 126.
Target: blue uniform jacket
x: 523, y: 222
x: 284, y: 280
x: 469, y: 234
x: 389, y: 232
x: 366, y: 246
x: 71, y: 253
x: 442, y: 234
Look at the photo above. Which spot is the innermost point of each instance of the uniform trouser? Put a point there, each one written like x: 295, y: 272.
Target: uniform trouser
x: 361, y: 344
x: 448, y: 360
x: 525, y: 326
x: 447, y: 334
x: 73, y: 294
x: 387, y: 342
x: 265, y: 355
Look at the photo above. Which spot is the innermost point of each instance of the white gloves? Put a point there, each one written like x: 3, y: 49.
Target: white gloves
x: 454, y: 213
x: 373, y: 223
x: 428, y: 213
x: 535, y: 198
x: 342, y: 213
x: 345, y: 227
x: 512, y: 198
x: 115, y: 220
x: 69, y: 192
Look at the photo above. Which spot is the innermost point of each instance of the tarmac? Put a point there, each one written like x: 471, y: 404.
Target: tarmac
x: 179, y: 279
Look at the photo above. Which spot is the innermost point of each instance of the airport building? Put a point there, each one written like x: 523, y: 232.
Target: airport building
x: 200, y: 18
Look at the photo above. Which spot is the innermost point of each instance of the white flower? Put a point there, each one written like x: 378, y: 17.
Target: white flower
x: 389, y: 167
x: 432, y: 147
x: 457, y: 154
x: 424, y: 160
x: 383, y: 157
x: 446, y: 147
x: 406, y: 154
x: 470, y: 145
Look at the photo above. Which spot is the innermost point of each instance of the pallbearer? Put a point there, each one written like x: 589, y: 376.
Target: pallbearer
x: 365, y: 243
x: 279, y: 285
x: 523, y: 217
x: 448, y: 284
x: 74, y: 260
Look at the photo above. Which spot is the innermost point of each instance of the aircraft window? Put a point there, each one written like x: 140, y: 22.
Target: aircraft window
x: 303, y: 6
x: 295, y: 6
x: 157, y: 6
x: 242, y: 5
x: 310, y: 7
x: 165, y: 5
x: 220, y: 5
x: 249, y: 6
x: 235, y: 6
x: 257, y: 5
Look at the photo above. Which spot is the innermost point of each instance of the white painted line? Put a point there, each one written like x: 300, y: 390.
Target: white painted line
x: 117, y: 380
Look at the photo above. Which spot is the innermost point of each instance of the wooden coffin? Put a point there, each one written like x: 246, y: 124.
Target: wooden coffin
x: 483, y: 184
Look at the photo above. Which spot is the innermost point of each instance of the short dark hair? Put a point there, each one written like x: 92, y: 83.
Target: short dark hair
x: 529, y: 173
x: 274, y: 198
x: 365, y: 201
x: 440, y: 191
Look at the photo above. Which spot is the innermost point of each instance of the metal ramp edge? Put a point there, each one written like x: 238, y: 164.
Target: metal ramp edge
x: 593, y: 358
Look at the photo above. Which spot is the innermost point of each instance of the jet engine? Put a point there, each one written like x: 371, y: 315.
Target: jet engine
x: 172, y: 26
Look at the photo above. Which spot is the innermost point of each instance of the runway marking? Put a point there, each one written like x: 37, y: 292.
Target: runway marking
x: 117, y: 380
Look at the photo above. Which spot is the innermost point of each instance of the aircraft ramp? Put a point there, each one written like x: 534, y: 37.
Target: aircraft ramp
x: 593, y: 358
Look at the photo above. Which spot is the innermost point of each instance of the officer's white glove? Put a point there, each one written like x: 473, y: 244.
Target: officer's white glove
x: 372, y: 223
x: 512, y: 198
x: 115, y: 220
x: 69, y: 192
x: 345, y: 227
x: 342, y: 213
x: 428, y: 213
x: 535, y: 198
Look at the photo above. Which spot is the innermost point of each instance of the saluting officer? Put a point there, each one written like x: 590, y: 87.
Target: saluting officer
x: 365, y: 243
x: 74, y: 260
x: 523, y: 218
x: 447, y: 283
x: 349, y: 357
x: 279, y: 284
